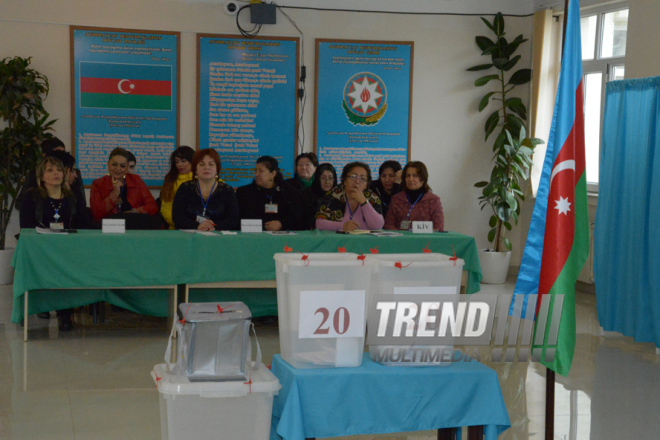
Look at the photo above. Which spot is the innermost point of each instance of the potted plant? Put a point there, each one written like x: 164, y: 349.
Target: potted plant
x: 22, y: 91
x: 512, y: 149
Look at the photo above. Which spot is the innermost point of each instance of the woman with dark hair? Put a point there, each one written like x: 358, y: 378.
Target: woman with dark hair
x: 325, y: 178
x: 350, y: 205
x: 180, y: 172
x: 119, y: 194
x: 268, y: 198
x: 305, y: 166
x: 416, y: 202
x: 52, y: 205
x: 206, y: 203
x: 132, y: 161
x: 385, y: 187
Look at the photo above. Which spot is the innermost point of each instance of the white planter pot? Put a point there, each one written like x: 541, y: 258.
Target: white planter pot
x: 494, y: 266
x: 6, y: 271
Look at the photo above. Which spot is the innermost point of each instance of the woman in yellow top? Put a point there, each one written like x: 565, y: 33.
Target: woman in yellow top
x: 180, y: 172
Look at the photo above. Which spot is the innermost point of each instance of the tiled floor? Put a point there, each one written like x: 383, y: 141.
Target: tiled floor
x: 96, y: 384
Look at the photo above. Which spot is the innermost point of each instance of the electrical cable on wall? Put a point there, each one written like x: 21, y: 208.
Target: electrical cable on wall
x: 302, y: 94
x: 247, y: 33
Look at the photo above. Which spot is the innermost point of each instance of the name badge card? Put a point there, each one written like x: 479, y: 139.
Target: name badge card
x: 248, y: 225
x: 422, y: 227
x: 57, y: 226
x: 332, y: 314
x: 114, y: 226
x: 271, y: 208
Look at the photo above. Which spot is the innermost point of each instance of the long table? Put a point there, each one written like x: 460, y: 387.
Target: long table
x: 93, y: 260
x: 374, y: 399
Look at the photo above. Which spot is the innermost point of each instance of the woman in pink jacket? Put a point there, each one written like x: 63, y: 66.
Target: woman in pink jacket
x: 350, y: 205
x: 416, y: 202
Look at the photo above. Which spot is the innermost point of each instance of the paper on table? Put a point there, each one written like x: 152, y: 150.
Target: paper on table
x: 386, y: 234
x: 50, y: 231
x: 197, y: 231
x: 280, y: 232
x: 228, y: 232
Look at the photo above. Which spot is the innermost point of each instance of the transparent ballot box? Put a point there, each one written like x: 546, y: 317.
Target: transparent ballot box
x: 321, y: 300
x: 429, y: 274
x: 237, y: 410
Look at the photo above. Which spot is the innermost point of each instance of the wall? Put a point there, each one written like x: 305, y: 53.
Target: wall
x: 642, y: 54
x: 447, y: 130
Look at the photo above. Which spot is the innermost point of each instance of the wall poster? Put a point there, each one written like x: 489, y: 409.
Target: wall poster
x: 247, y: 102
x: 125, y: 93
x: 363, y: 101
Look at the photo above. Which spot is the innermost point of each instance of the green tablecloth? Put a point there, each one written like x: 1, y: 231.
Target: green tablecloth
x: 91, y: 259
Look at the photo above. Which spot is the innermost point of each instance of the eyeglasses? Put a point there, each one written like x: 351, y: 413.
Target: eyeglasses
x: 358, y: 178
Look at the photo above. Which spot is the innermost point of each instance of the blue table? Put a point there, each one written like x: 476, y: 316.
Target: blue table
x: 374, y: 399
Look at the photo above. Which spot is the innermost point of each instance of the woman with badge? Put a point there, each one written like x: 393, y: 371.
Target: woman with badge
x: 350, y: 205
x: 180, y: 172
x: 52, y: 205
x: 205, y: 203
x: 416, y: 202
x: 269, y: 199
x: 120, y: 195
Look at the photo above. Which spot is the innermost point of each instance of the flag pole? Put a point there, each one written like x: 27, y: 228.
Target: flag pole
x: 550, y: 374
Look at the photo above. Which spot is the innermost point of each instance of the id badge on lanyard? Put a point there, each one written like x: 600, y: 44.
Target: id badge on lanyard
x: 405, y: 225
x: 57, y: 226
x: 271, y: 208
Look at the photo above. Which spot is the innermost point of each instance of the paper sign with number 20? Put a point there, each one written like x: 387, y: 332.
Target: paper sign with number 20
x: 332, y: 314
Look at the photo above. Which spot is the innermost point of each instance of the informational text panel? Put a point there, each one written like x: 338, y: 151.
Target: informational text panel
x: 125, y: 93
x: 248, y: 107
x: 363, y: 101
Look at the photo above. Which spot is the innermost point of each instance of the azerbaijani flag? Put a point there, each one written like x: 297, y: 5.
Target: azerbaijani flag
x: 558, y: 240
x: 125, y: 86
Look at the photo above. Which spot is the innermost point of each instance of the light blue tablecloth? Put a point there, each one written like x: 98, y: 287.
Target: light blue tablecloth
x: 374, y: 399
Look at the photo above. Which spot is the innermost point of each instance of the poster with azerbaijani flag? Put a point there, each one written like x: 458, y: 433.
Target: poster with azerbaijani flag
x: 124, y: 94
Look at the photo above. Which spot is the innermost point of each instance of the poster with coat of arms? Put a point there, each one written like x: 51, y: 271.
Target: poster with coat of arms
x: 363, y: 102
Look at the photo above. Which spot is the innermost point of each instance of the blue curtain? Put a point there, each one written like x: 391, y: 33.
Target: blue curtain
x: 627, y: 231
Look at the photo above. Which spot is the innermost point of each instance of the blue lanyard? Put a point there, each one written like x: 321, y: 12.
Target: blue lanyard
x: 413, y: 205
x: 348, y: 205
x: 202, y: 198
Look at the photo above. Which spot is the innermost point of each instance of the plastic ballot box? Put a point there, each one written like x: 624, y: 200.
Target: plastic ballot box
x: 230, y: 410
x: 321, y: 301
x: 414, y: 274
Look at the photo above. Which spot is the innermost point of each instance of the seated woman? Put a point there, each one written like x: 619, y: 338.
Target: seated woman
x: 416, y: 202
x: 385, y: 187
x: 122, y: 195
x: 325, y: 178
x: 305, y: 166
x: 350, y: 205
x: 180, y: 172
x: 268, y: 198
x: 52, y: 205
x: 205, y: 203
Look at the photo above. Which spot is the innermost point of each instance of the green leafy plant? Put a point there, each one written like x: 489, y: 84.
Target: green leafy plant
x: 512, y: 148
x: 22, y: 91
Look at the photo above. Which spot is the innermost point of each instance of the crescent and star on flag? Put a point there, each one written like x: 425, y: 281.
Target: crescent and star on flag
x: 563, y: 205
x: 121, y: 90
x: 365, y: 95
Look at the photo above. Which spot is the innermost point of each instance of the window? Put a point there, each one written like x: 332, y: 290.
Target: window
x: 604, y: 35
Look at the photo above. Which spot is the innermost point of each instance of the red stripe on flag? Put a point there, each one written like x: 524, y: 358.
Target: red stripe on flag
x: 127, y: 86
x: 560, y: 227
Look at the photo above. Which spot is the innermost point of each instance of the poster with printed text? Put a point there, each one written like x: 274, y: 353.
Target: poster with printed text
x: 363, y: 102
x: 248, y: 104
x: 124, y: 94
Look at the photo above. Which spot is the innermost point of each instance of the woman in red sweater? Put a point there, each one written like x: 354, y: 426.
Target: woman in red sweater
x: 120, y: 193
x: 416, y: 202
